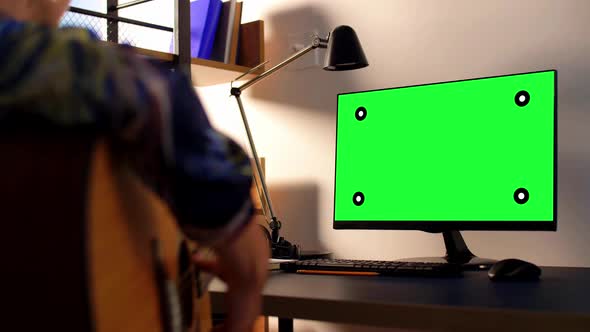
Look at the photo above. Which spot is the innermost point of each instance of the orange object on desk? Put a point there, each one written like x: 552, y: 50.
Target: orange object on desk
x: 347, y: 273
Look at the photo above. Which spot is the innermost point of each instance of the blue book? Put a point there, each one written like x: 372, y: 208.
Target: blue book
x: 204, y: 19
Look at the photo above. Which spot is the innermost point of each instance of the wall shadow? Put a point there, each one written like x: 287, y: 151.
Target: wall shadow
x: 302, y: 83
x: 296, y: 206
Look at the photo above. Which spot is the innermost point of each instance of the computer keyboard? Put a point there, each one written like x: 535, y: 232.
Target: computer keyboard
x: 361, y: 267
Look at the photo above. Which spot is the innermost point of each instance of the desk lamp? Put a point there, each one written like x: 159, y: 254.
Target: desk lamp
x: 344, y: 52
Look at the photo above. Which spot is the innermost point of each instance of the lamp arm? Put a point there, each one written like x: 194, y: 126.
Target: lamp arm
x: 267, y: 203
x: 316, y: 43
x: 274, y: 223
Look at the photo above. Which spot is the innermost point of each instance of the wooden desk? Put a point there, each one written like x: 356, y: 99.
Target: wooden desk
x: 559, y: 302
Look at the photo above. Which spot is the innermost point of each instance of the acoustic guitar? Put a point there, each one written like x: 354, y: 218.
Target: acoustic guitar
x: 89, y: 246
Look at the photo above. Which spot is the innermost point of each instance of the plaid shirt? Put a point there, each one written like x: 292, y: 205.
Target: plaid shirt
x: 69, y: 78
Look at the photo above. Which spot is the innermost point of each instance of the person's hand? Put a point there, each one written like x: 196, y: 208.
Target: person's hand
x: 243, y: 265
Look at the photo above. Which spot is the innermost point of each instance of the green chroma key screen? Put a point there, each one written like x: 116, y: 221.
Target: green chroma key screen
x: 478, y: 154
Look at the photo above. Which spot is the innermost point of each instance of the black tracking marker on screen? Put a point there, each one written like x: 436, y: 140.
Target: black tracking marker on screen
x: 521, y: 196
x: 361, y: 113
x: 358, y: 198
x: 522, y: 98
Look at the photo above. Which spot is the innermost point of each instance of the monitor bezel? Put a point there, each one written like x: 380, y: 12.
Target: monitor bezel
x: 441, y: 226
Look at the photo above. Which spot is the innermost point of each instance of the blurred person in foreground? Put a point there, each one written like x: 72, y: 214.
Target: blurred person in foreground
x: 69, y: 78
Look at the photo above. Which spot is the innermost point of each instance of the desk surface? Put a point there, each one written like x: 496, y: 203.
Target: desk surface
x: 560, y: 301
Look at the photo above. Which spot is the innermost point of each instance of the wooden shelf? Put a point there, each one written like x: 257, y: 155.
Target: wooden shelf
x: 207, y: 72
x: 204, y: 72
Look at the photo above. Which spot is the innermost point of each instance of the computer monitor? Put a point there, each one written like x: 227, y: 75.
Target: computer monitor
x: 476, y: 154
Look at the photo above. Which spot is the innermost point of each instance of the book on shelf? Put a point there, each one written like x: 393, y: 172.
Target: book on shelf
x: 251, y: 44
x: 235, y: 34
x: 204, y: 19
x: 222, y: 42
x: 204, y: 22
x: 225, y: 46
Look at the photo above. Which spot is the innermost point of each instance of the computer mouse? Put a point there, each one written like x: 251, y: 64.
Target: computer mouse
x: 514, y: 269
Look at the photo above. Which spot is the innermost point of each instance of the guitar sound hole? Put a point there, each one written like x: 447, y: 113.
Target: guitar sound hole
x: 186, y: 285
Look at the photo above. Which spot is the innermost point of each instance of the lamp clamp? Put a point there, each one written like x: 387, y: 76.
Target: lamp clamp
x: 274, y: 225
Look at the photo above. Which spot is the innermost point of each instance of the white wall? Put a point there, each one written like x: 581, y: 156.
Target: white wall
x: 292, y: 114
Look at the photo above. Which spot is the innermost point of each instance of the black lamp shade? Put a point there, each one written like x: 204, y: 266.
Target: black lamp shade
x: 344, y: 50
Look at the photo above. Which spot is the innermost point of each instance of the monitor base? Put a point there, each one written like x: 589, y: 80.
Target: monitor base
x: 457, y: 253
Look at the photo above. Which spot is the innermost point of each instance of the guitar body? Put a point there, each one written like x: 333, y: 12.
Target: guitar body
x: 89, y: 247
x: 140, y: 272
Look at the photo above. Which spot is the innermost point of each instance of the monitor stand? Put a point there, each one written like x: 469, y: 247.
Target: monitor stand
x: 458, y: 253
